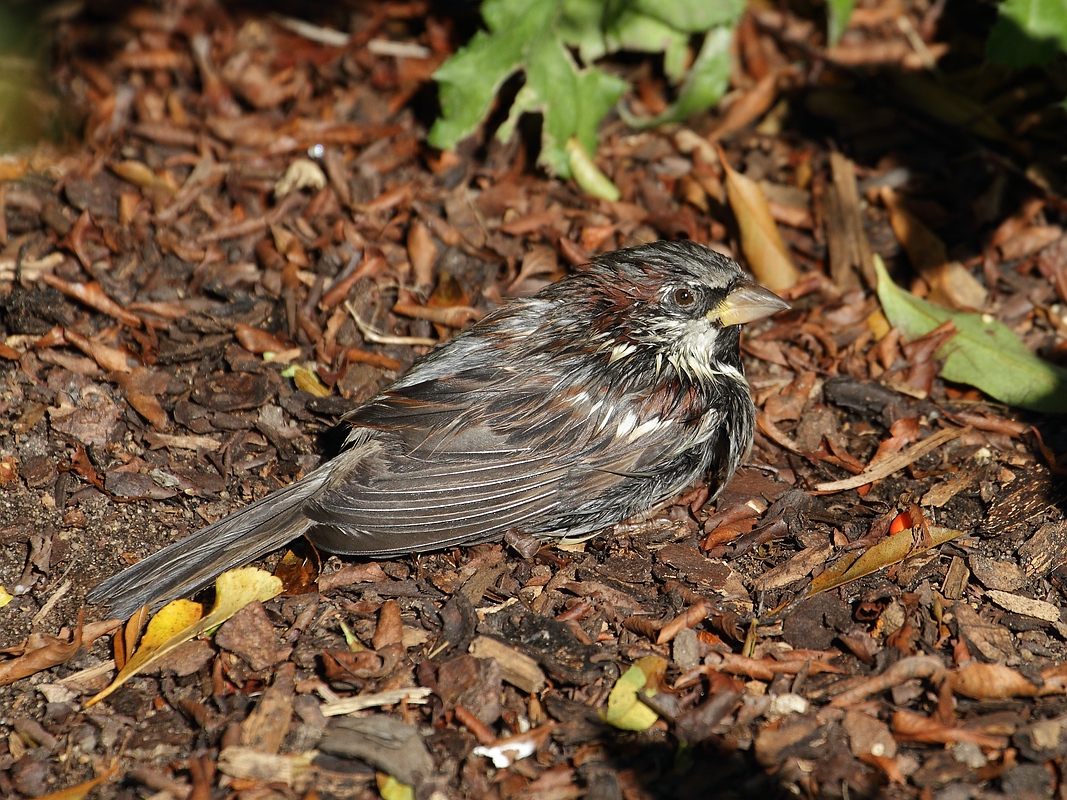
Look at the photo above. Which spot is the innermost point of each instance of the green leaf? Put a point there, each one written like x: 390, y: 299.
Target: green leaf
x: 582, y: 24
x: 571, y: 100
x: 984, y: 353
x: 837, y: 14
x: 588, y: 175
x: 469, y: 80
x: 690, y: 16
x: 524, y: 36
x: 538, y: 39
x: 703, y: 86
x: 1028, y: 32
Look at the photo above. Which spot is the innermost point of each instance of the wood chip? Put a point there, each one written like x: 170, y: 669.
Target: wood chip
x: 1045, y: 550
x: 411, y: 696
x: 1027, y: 606
x: 517, y: 668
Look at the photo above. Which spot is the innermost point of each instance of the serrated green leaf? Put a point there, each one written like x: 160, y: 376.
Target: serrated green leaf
x: 837, y: 14
x: 582, y: 24
x: 522, y: 36
x: 690, y: 16
x: 468, y: 82
x: 703, y: 86
x: 572, y: 101
x: 1028, y: 32
x: 538, y: 39
x: 984, y: 353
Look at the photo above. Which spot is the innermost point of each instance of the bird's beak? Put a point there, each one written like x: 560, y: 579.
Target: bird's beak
x: 747, y: 302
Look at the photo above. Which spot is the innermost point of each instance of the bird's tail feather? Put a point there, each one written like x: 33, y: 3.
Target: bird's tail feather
x: 195, y: 561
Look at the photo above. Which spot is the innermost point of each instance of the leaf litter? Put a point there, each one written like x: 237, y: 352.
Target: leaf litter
x: 145, y: 275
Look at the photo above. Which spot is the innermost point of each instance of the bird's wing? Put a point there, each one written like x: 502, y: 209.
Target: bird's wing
x: 469, y: 457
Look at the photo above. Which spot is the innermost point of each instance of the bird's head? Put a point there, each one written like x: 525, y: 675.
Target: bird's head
x: 676, y: 305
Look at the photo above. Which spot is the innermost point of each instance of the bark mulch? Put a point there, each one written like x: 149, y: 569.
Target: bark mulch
x: 246, y: 235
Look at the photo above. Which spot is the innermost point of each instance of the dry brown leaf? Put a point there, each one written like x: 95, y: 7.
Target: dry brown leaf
x: 689, y: 618
x: 949, y: 281
x: 765, y: 669
x: 422, y: 252
x: 257, y: 341
x: 298, y: 574
x: 109, y: 358
x: 41, y: 652
x: 93, y: 295
x: 748, y: 107
x: 912, y: 727
x: 890, y: 464
x: 761, y: 241
x: 1027, y: 242
x: 390, y: 629
x: 142, y: 388
x: 996, y: 682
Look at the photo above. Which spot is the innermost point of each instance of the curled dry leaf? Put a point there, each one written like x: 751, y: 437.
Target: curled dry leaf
x: 298, y: 574
x: 302, y: 173
x: 142, y: 388
x: 911, y: 727
x: 889, y: 464
x: 422, y: 252
x: 765, y: 669
x: 982, y: 681
x: 761, y: 241
x: 257, y: 341
x: 390, y: 629
x: 454, y: 317
x: 750, y: 106
x: 890, y: 550
x: 689, y: 618
x: 92, y: 294
x: 950, y: 283
x: 307, y: 380
x: 41, y: 652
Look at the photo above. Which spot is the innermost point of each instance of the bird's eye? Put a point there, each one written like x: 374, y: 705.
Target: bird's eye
x: 683, y: 297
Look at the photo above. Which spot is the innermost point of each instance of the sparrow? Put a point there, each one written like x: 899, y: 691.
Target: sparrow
x: 604, y: 395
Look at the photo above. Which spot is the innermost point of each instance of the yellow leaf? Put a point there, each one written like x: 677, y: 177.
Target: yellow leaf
x: 625, y: 709
x: 891, y: 550
x: 173, y: 618
x: 392, y: 789
x: 307, y: 380
x: 181, y: 621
